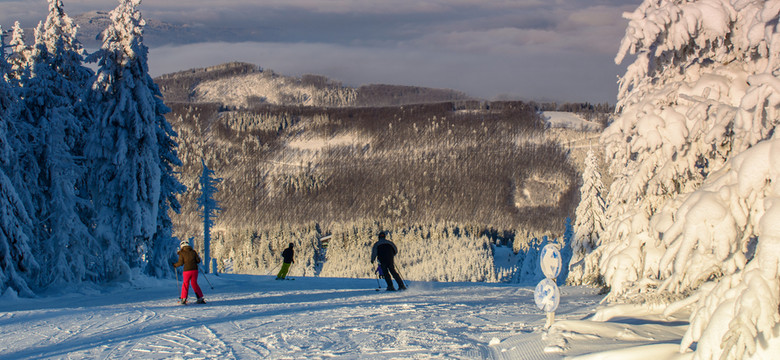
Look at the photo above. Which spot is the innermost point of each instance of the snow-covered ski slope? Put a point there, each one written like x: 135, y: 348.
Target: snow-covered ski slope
x: 253, y: 317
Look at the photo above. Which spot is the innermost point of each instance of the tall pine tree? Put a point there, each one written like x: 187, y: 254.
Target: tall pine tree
x: 131, y: 152
x: 589, y: 224
x: 16, y: 257
x: 51, y: 97
x: 19, y: 59
x: 209, y: 206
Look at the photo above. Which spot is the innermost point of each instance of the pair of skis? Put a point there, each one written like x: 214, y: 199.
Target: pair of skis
x: 378, y: 271
x: 187, y: 303
x: 176, y: 271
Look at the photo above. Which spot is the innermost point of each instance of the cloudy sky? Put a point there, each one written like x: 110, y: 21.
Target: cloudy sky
x: 559, y: 50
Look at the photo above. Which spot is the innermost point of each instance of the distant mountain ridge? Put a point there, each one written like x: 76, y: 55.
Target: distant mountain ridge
x: 239, y: 84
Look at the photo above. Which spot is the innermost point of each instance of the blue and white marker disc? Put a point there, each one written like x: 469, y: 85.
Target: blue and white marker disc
x: 547, y: 296
x: 550, y: 260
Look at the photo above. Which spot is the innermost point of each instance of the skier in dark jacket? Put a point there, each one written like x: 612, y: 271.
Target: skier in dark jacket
x: 189, y: 259
x: 385, y: 251
x: 287, y: 256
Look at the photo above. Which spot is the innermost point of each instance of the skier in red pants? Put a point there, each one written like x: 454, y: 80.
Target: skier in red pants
x: 189, y: 259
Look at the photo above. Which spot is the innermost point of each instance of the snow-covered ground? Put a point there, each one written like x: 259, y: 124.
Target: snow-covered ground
x: 272, y: 89
x: 568, y: 120
x: 251, y: 317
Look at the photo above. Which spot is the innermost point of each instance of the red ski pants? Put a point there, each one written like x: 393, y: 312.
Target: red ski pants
x: 191, y: 275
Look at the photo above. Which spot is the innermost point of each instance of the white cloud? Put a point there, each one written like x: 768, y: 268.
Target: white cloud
x: 353, y: 6
x: 561, y: 76
x: 469, y: 45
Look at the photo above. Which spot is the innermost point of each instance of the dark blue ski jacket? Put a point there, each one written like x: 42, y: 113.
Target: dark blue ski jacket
x: 288, y: 255
x: 385, y: 250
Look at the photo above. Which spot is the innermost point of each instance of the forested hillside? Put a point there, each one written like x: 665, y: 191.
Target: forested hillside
x: 241, y: 85
x: 464, y: 172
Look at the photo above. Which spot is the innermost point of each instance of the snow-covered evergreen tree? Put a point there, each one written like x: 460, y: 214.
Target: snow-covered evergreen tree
x: 67, y: 59
x: 51, y: 97
x: 164, y: 244
x: 531, y: 270
x: 209, y: 208
x: 130, y: 151
x: 19, y: 59
x: 16, y: 258
x: 692, y: 209
x: 589, y: 224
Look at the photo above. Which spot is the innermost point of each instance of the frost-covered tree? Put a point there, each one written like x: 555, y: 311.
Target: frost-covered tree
x: 19, y: 58
x: 735, y: 216
x: 67, y: 59
x: 164, y: 244
x: 130, y: 150
x: 589, y: 225
x: 209, y: 208
x: 51, y: 97
x: 531, y: 270
x: 692, y: 209
x: 16, y: 258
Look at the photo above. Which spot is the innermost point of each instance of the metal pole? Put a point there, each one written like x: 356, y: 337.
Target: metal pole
x: 207, y: 279
x: 273, y: 270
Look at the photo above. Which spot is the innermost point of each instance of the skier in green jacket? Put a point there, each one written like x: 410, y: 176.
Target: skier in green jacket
x: 287, y: 256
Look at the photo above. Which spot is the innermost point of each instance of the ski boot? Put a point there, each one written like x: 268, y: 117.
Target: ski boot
x: 183, y: 301
x: 200, y: 301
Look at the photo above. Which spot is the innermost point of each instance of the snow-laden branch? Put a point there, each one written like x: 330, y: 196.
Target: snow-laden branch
x: 694, y: 168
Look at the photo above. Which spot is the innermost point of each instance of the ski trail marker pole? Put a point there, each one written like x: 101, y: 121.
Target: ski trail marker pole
x: 207, y: 279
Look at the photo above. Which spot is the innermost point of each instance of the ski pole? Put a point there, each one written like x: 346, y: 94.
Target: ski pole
x: 403, y: 279
x: 273, y: 270
x: 378, y: 285
x: 207, y: 279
